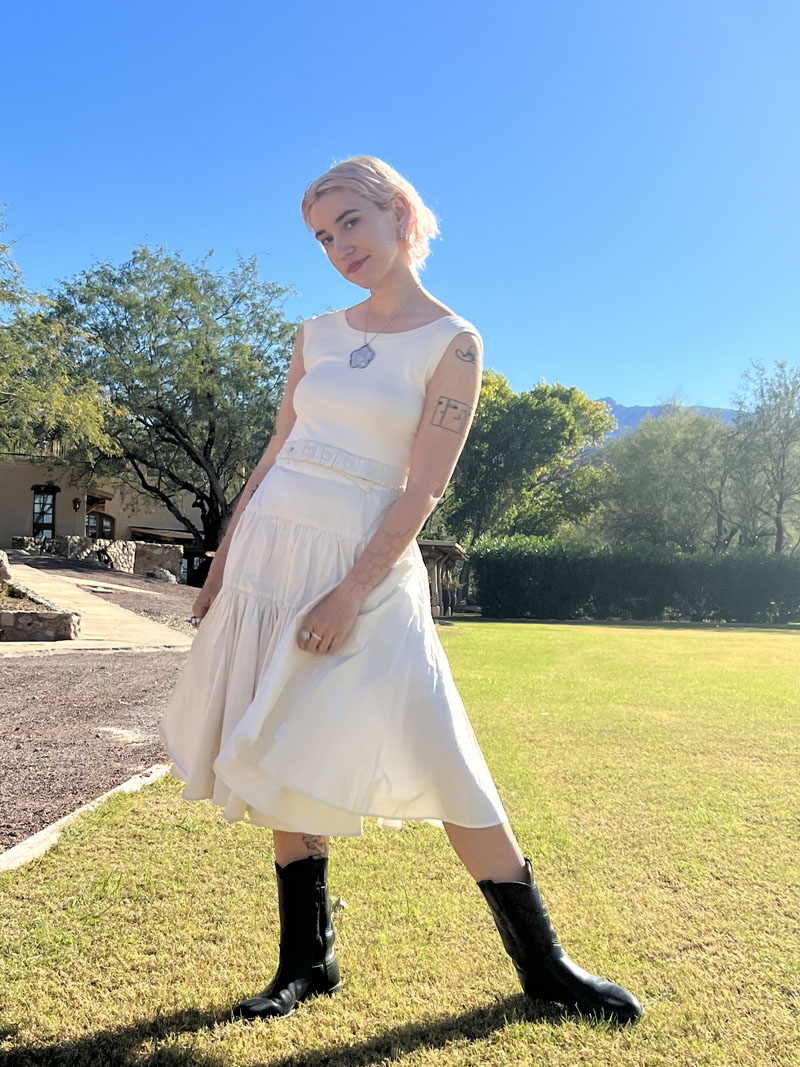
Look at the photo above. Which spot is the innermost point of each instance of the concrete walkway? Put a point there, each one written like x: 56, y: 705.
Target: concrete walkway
x: 104, y: 626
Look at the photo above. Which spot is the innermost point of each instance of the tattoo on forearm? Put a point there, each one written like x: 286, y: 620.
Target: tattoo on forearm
x: 379, y: 557
x: 316, y: 845
x: 470, y: 356
x: 451, y: 414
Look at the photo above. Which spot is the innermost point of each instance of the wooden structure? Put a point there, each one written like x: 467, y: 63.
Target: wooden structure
x: 443, y: 560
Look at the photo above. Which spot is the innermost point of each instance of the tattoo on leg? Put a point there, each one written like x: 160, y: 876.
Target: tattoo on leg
x: 316, y: 845
x: 451, y: 415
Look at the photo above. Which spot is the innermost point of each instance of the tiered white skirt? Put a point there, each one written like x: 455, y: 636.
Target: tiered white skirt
x: 313, y: 743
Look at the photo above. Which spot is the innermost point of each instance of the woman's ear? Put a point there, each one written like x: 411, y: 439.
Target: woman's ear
x: 401, y: 212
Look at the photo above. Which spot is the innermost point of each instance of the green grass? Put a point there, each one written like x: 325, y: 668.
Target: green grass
x: 650, y: 773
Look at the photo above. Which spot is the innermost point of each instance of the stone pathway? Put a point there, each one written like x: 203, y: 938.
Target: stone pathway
x: 104, y: 626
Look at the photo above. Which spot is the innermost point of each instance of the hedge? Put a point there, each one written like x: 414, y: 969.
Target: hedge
x: 527, y: 577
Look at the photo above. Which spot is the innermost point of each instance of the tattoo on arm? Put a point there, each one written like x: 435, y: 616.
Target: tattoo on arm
x: 379, y: 557
x: 316, y: 845
x: 451, y: 414
x: 470, y: 356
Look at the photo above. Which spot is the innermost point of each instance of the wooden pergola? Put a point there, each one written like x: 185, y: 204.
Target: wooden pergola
x: 442, y: 559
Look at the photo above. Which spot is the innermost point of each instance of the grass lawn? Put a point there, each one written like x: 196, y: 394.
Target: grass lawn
x: 650, y: 773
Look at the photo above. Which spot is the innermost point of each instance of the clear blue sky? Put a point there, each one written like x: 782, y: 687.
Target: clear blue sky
x: 617, y: 180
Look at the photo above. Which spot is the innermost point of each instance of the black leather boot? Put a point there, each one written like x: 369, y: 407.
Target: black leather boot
x: 307, y: 964
x: 545, y: 970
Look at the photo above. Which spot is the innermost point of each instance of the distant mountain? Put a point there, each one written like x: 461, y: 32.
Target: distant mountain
x: 628, y: 418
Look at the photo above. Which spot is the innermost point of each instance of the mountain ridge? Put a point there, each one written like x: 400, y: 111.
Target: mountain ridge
x: 629, y: 416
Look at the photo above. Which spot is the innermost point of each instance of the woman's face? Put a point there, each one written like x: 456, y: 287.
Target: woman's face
x: 361, y: 241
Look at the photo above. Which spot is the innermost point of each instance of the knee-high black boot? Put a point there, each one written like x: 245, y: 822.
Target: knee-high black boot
x: 545, y: 970
x: 308, y: 964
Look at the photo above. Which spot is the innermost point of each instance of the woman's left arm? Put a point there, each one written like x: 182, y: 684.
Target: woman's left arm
x: 450, y: 403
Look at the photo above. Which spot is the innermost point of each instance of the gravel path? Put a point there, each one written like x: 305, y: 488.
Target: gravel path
x: 74, y: 726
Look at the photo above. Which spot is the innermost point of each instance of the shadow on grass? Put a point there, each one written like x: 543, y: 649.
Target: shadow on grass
x: 122, y: 1047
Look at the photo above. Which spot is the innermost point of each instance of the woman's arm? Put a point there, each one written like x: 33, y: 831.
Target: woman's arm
x: 450, y: 402
x: 283, y: 426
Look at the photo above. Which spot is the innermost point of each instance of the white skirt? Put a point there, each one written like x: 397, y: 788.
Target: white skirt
x: 313, y: 743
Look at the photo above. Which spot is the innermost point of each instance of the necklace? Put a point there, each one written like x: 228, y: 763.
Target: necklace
x: 363, y: 355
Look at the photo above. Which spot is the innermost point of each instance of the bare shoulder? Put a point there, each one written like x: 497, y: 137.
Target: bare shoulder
x: 463, y: 357
x: 467, y: 347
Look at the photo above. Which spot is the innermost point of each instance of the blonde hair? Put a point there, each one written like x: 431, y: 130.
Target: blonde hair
x: 377, y: 181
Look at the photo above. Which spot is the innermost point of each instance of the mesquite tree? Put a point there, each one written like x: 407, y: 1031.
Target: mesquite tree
x: 194, y: 363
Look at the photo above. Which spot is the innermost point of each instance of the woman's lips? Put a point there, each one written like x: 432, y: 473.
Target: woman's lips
x: 357, y: 265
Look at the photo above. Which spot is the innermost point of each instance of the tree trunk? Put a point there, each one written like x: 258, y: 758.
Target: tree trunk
x: 779, y: 526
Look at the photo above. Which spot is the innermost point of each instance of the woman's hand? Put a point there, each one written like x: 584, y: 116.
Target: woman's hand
x: 205, y: 598
x: 329, y: 623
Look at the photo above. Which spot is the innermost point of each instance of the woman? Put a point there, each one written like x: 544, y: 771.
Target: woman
x: 317, y: 691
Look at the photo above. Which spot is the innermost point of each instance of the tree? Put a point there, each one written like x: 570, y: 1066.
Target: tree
x: 691, y: 481
x: 515, y: 473
x: 194, y: 363
x: 672, y: 482
x: 768, y: 422
x: 47, y: 402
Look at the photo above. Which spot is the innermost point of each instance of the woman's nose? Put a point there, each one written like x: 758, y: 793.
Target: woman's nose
x: 342, y: 245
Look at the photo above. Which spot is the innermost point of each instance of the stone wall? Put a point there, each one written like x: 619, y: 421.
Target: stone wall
x: 148, y: 556
x: 122, y: 554
x: 52, y: 624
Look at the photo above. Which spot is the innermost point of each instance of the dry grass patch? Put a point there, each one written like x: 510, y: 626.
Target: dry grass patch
x: 650, y: 773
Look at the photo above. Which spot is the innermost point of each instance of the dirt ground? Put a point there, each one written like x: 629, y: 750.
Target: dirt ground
x: 75, y: 725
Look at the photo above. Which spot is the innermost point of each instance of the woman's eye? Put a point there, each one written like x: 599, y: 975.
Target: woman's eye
x: 354, y: 221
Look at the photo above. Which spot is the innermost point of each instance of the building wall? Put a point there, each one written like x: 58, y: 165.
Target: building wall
x: 127, y: 507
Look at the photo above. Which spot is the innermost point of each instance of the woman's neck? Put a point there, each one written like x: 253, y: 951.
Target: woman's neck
x: 392, y: 294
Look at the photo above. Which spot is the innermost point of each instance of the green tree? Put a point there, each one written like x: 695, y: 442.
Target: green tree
x: 672, y: 482
x: 768, y: 423
x: 47, y: 402
x: 195, y: 364
x: 517, y: 468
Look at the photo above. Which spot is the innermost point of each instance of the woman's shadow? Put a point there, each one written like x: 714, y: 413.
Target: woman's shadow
x: 122, y: 1046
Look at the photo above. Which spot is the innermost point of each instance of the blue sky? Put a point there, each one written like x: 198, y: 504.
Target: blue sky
x: 617, y: 180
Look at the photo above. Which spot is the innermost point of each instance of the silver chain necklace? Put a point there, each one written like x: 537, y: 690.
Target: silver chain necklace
x: 363, y: 355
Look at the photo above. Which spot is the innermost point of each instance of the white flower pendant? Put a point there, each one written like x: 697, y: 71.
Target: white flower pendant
x: 361, y: 357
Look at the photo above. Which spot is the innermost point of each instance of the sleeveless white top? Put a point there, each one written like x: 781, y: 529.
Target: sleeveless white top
x: 371, y: 411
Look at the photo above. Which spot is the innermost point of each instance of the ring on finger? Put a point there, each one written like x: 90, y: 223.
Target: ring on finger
x: 306, y: 635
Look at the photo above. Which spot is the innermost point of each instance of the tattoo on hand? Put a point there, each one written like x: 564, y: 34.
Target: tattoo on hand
x: 470, y: 356
x: 451, y: 414
x: 316, y: 845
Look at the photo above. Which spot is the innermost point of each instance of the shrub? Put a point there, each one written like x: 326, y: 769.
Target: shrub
x: 528, y: 577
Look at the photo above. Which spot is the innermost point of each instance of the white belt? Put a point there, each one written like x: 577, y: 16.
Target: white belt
x: 300, y: 448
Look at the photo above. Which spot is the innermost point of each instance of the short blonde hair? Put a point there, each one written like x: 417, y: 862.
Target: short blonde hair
x: 377, y: 181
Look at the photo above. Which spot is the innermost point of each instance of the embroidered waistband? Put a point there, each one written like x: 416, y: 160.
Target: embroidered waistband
x: 300, y: 448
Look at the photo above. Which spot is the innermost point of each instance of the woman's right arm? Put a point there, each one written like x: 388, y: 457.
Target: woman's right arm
x: 283, y: 427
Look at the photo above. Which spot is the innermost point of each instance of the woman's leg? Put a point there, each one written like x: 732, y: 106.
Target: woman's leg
x: 290, y: 846
x: 493, y: 858
x: 488, y: 852
x: 307, y: 963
